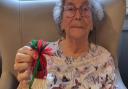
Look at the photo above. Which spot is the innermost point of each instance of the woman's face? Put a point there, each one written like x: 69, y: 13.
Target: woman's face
x: 77, y: 18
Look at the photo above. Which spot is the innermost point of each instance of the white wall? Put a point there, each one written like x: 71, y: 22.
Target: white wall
x: 127, y: 7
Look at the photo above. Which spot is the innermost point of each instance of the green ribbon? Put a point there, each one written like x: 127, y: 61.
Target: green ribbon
x: 34, y: 45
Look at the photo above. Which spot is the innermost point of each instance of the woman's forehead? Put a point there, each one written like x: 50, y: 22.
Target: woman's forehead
x: 76, y: 2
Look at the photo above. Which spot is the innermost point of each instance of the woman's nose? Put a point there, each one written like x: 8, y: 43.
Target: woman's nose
x: 78, y: 15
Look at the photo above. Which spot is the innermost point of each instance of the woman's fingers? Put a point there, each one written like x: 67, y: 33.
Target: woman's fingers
x: 23, y: 61
x: 24, y: 75
x: 23, y: 85
x: 19, y: 67
x: 26, y: 50
x: 20, y: 57
x: 24, y: 53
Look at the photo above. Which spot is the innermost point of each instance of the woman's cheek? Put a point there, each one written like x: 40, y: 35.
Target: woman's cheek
x: 88, y: 22
x: 65, y: 24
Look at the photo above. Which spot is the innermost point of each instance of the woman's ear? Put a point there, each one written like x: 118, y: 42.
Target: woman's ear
x: 92, y: 26
x: 62, y: 26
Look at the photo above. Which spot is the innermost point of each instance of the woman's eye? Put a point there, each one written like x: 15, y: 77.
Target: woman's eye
x: 85, y: 8
x: 69, y: 8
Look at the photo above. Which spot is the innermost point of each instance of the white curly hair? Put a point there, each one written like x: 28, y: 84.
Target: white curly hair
x: 96, y: 8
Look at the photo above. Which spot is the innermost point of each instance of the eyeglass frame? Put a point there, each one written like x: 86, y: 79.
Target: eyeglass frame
x: 74, y: 9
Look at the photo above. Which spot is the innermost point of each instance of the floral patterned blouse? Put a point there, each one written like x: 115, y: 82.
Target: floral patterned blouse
x: 95, y: 70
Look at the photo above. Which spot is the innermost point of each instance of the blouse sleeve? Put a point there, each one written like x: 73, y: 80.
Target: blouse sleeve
x: 109, y: 66
x: 106, y: 69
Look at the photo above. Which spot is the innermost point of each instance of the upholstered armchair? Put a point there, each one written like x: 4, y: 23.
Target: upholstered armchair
x: 22, y: 21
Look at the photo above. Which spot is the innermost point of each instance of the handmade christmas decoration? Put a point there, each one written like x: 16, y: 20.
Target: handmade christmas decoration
x: 39, y: 65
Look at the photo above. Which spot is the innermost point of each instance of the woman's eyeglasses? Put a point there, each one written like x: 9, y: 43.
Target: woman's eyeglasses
x: 70, y: 10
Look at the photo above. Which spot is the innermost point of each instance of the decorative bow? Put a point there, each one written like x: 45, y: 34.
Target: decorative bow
x: 39, y: 65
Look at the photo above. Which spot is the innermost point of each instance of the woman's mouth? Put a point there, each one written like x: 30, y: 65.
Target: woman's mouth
x: 77, y: 27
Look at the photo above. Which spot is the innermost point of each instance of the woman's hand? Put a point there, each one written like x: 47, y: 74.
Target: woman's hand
x: 23, y: 62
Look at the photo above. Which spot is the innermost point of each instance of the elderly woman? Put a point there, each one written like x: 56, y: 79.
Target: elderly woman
x: 76, y: 63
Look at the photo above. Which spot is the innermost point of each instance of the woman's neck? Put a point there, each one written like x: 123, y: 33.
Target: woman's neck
x: 74, y: 47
